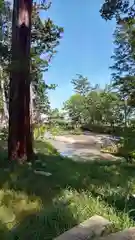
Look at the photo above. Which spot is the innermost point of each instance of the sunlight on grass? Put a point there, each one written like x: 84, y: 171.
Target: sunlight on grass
x: 43, y: 206
x: 14, y: 206
x: 83, y: 205
x: 44, y: 147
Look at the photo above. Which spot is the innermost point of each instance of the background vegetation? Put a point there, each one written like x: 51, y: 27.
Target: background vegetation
x: 47, y: 195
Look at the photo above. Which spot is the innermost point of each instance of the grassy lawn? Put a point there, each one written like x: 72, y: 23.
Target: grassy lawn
x: 41, y: 207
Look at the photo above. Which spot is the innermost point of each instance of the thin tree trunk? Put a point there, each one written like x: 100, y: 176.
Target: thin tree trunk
x: 4, y: 100
x: 125, y: 114
x: 32, y: 111
x: 6, y: 115
x: 31, y: 103
x: 20, y: 137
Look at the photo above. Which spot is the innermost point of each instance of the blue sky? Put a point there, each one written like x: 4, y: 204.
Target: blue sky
x: 86, y: 46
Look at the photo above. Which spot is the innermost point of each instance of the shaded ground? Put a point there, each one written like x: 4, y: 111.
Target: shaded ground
x: 33, y: 206
x: 83, y: 147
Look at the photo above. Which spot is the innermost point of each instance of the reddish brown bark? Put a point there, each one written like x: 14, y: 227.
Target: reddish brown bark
x: 20, y: 140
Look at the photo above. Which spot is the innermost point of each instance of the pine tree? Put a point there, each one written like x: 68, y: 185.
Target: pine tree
x: 81, y: 85
x: 20, y: 137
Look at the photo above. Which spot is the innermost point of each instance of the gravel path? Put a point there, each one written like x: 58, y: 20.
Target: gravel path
x: 83, y: 147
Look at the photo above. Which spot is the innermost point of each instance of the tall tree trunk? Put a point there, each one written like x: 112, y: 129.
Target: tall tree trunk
x: 20, y: 137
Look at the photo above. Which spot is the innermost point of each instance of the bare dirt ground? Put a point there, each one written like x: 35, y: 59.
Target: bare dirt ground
x: 82, y: 147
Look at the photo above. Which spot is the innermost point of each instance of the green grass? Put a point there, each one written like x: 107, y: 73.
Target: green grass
x: 39, y: 207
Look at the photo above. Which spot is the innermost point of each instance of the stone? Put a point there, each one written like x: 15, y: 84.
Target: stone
x: 29, y: 164
x: 6, y: 170
x: 47, y: 174
x: 43, y: 164
x: 38, y: 161
x: 92, y: 227
x: 127, y: 234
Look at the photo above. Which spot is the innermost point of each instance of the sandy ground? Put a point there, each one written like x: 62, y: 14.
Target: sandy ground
x: 82, y: 147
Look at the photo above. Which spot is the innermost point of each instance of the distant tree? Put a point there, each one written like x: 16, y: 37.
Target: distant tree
x: 81, y: 85
x: 100, y: 107
x: 75, y: 108
x: 92, y: 107
x: 110, y: 107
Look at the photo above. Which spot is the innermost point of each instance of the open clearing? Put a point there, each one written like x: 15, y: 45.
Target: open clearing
x: 42, y: 206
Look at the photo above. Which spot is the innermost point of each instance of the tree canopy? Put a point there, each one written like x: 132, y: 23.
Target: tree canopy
x: 118, y: 9
x: 45, y: 37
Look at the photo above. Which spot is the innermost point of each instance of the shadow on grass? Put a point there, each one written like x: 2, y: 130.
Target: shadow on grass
x: 46, y: 224
x: 113, y: 181
x: 4, y: 232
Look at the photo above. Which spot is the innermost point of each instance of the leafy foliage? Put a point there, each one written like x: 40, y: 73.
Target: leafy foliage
x: 100, y: 107
x: 123, y: 70
x: 81, y: 84
x: 123, y: 65
x: 75, y: 108
x: 45, y: 37
x: 116, y: 8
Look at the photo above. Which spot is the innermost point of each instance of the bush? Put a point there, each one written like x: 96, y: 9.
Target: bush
x: 127, y: 147
x: 105, y: 129
x: 39, y: 131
